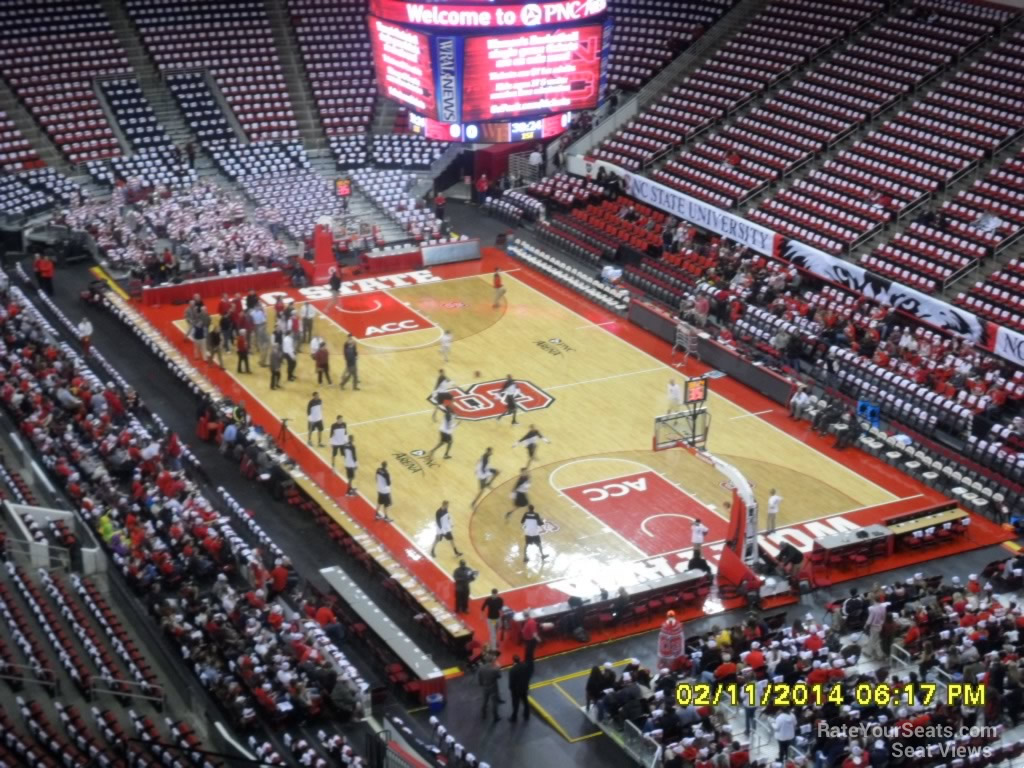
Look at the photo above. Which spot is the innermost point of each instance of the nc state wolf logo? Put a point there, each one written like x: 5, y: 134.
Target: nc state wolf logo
x: 483, y: 400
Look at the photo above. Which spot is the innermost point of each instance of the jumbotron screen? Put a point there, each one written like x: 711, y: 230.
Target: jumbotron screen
x: 471, y: 63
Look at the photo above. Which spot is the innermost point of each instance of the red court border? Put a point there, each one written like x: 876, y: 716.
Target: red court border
x: 911, y: 495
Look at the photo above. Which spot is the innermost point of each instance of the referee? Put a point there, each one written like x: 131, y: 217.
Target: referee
x: 443, y: 517
x: 520, y: 499
x: 315, y: 417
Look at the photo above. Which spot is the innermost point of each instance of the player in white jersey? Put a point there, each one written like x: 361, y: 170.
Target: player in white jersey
x: 508, y: 394
x: 383, y: 493
x: 446, y: 345
x: 442, y: 395
x: 443, y: 517
x: 338, y: 438
x: 485, y: 473
x: 675, y: 397
x: 351, y: 465
x: 519, y: 497
x: 533, y: 527
x: 448, y: 424
x: 315, y: 417
x: 530, y: 440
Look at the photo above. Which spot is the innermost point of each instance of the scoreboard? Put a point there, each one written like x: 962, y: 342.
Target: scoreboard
x: 467, y: 64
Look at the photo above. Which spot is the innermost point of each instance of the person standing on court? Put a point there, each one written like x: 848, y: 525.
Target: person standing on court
x: 276, y: 361
x: 675, y: 397
x: 290, y: 354
x: 351, y: 465
x: 485, y: 473
x: 351, y: 354
x: 532, y: 524
x: 338, y: 437
x: 383, y: 493
x: 448, y: 424
x: 242, y: 347
x: 530, y: 440
x: 322, y: 361
x: 519, y: 687
x: 697, y: 533
x: 519, y: 491
x: 492, y: 607
x: 306, y: 314
x: 499, y: 288
x: 446, y: 345
x: 774, y: 501
x: 509, y: 394
x: 463, y: 577
x: 489, y: 677
x: 334, y: 285
x: 214, y: 345
x: 443, y: 518
x: 315, y: 417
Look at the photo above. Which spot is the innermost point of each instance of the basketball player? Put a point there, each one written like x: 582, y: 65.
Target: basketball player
x: 315, y: 417
x: 444, y: 528
x: 530, y: 441
x: 675, y: 397
x: 351, y: 465
x: 442, y: 395
x: 485, y: 473
x: 697, y: 533
x: 339, y: 437
x: 509, y: 393
x: 532, y: 526
x: 448, y: 423
x: 499, y: 288
x: 519, y: 493
x: 383, y: 493
x: 446, y: 345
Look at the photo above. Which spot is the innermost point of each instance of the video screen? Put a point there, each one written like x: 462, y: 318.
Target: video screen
x: 402, y: 58
x: 507, y: 76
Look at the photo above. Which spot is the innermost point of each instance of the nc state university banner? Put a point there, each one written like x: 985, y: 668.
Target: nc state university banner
x: 1009, y: 344
x: 752, y: 235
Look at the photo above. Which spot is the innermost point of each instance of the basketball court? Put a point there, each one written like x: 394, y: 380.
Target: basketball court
x: 616, y: 512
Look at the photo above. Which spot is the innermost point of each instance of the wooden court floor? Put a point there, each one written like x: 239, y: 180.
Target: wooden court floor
x: 607, y: 498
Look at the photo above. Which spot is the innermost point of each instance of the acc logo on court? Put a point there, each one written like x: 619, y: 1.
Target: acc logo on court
x: 483, y: 400
x: 397, y: 327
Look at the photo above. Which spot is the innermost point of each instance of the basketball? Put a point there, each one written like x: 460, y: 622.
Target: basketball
x: 476, y: 374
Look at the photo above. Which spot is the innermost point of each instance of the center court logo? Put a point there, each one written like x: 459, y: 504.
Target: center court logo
x: 484, y: 401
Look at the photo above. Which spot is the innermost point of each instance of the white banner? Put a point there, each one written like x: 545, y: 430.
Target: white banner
x: 1004, y: 342
x: 1009, y: 344
x: 920, y: 305
x: 701, y: 214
